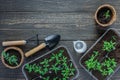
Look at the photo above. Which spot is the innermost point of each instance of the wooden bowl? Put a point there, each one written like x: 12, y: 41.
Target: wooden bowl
x: 113, y: 17
x: 20, y: 53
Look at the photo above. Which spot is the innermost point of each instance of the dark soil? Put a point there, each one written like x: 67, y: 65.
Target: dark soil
x: 115, y: 54
x: 98, y: 75
x: 98, y: 47
x: 16, y: 53
x: 100, y: 15
x: 36, y: 76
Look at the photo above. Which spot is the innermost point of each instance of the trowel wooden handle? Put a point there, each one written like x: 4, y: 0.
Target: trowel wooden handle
x: 11, y: 43
x: 34, y: 50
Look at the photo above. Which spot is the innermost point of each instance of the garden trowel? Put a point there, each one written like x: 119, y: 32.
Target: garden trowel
x: 49, y: 42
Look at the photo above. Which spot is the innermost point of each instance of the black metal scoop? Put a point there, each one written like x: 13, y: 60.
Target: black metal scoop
x: 50, y: 42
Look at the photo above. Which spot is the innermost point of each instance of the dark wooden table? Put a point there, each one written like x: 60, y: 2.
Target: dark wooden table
x: 72, y: 19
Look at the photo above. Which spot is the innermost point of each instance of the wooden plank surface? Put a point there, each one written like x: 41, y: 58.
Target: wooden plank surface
x: 53, y: 6
x: 72, y: 19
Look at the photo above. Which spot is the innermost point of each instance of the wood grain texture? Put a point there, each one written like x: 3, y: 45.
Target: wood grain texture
x: 46, y: 5
x: 52, y: 6
x: 72, y: 19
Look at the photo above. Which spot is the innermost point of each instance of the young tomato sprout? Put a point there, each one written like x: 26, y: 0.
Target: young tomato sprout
x: 92, y: 62
x: 12, y: 60
x: 108, y: 46
x: 107, y: 14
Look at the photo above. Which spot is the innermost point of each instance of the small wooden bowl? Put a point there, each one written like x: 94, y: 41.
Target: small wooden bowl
x: 113, y: 18
x: 20, y: 53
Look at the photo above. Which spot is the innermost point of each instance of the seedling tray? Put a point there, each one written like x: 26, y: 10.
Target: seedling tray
x: 111, y: 34
x: 49, y: 67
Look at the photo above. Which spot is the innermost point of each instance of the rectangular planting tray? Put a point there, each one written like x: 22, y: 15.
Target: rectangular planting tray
x: 103, y: 55
x: 54, y: 65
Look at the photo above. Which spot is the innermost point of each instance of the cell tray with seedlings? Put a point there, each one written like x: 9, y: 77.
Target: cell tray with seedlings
x: 102, y: 60
x: 55, y: 65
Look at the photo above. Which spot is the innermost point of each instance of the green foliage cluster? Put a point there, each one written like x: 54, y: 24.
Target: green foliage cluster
x: 12, y: 60
x: 107, y: 14
x: 91, y: 63
x: 60, y: 66
x: 108, y: 46
x: 106, y: 67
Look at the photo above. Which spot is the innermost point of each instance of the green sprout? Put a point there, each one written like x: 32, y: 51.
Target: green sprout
x: 71, y: 69
x: 98, y: 66
x: 91, y: 63
x: 56, y: 78
x: 107, y: 14
x: 46, y: 78
x: 55, y: 69
x: 45, y: 62
x: 64, y: 59
x: 56, y: 56
x: 5, y: 55
x: 104, y: 72
x: 60, y: 53
x: 11, y: 59
x: 52, y: 58
x: 108, y: 46
x: 36, y: 68
x: 29, y: 67
x: 110, y: 64
x: 68, y: 71
x: 114, y: 37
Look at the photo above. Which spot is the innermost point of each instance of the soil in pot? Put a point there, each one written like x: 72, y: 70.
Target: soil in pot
x: 104, y: 15
x: 12, y: 58
x: 55, y: 65
x: 15, y: 53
